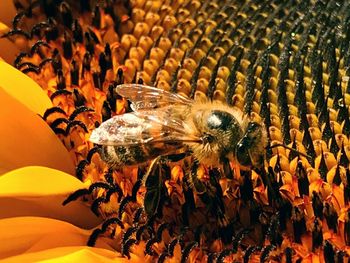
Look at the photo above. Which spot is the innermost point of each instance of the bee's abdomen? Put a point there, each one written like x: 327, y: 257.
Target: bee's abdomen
x: 116, y: 156
x: 124, y: 155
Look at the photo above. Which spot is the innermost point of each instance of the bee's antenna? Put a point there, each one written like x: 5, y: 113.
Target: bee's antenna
x: 289, y: 148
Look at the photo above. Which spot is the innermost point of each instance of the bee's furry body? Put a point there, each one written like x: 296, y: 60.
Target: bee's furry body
x: 222, y: 123
x: 210, y: 131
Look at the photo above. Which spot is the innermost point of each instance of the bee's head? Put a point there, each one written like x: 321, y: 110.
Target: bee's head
x: 250, y: 149
x: 219, y: 131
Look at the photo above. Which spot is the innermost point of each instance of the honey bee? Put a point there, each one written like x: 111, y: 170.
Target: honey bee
x: 165, y: 123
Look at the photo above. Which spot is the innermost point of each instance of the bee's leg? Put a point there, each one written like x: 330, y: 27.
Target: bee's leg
x: 174, y: 157
x: 188, y: 187
x: 214, y: 175
x: 190, y: 184
x: 211, y: 195
x: 161, y: 160
x: 153, y: 180
x: 193, y: 181
x: 246, y: 186
x: 226, y: 229
x: 227, y: 168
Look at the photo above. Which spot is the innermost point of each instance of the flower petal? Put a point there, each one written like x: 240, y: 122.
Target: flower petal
x: 38, y: 181
x: 7, y: 11
x: 32, y: 234
x: 40, y: 191
x: 3, y: 29
x: 26, y: 139
x: 70, y: 254
x: 8, y: 50
x: 23, y: 88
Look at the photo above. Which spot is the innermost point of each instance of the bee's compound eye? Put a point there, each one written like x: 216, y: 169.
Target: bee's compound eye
x: 242, y: 154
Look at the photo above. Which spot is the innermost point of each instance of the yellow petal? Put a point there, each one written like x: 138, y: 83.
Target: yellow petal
x: 40, y: 191
x: 32, y: 234
x: 70, y: 254
x: 37, y: 180
x: 7, y: 11
x: 23, y: 88
x: 8, y: 50
x: 26, y: 139
x: 3, y: 29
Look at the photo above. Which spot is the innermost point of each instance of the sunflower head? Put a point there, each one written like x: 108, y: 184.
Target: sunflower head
x: 283, y: 64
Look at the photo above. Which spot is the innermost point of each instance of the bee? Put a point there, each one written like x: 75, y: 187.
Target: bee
x: 165, y: 123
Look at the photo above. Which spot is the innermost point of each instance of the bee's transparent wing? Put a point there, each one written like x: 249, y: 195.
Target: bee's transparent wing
x: 161, y: 125
x: 146, y: 97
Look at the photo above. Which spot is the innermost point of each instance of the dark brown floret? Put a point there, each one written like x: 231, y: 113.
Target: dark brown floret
x: 83, y: 192
x: 123, y: 204
x: 317, y: 205
x: 74, y: 124
x: 331, y: 216
x: 337, y: 179
x: 347, y: 187
x: 248, y: 253
x: 265, y: 253
x: 28, y: 69
x: 328, y: 252
x: 95, y: 206
x: 66, y: 14
x: 79, y: 110
x: 77, y: 32
x: 16, y: 32
x: 138, y: 215
x: 37, y: 46
x: 80, y: 169
x: 303, y: 181
x: 223, y: 254
x: 106, y: 111
x: 149, y: 250
x: 162, y: 257
x: 317, y: 235
x: 74, y: 196
x: 17, y: 19
x: 299, y: 224
x: 289, y: 254
x: 144, y: 231
x: 44, y: 62
x: 323, y: 167
x: 93, y: 237
x: 111, y: 221
x: 187, y: 250
x: 58, y: 122
x: 53, y: 110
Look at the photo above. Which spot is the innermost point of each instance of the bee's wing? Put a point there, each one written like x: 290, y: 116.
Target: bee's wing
x: 145, y: 97
x: 143, y: 127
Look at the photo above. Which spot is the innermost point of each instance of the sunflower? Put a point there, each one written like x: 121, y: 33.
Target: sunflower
x: 282, y: 63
